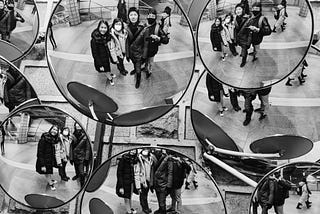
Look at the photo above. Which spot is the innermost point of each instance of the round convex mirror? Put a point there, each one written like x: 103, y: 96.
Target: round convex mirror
x: 292, y: 188
x: 121, y: 60
x: 163, y: 179
x: 46, y: 157
x: 19, y: 27
x: 251, y: 44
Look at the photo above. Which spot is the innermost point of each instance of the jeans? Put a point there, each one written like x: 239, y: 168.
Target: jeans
x: 144, y: 197
x: 244, y: 53
x: 137, y: 66
x: 264, y: 103
x: 79, y: 168
x: 234, y: 99
x: 120, y: 65
x: 176, y: 203
x: 248, y: 98
x: 161, y: 196
x: 62, y: 170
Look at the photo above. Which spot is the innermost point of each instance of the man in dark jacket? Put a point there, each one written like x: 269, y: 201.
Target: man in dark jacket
x: 154, y: 36
x: 163, y: 183
x: 265, y: 194
x: 281, y: 189
x: 79, y: 150
x: 258, y: 26
x: 241, y: 33
x: 179, y: 171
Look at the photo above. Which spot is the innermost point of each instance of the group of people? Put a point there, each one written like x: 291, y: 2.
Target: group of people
x: 245, y: 29
x: 132, y: 40
x: 216, y: 94
x: 157, y: 170
x: 8, y: 19
x: 56, y: 148
x: 273, y: 192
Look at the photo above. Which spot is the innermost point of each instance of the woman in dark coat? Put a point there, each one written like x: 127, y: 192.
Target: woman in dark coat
x: 215, y: 93
x: 135, y: 43
x: 125, y: 179
x: 99, y: 49
x: 46, y: 154
x: 79, y: 151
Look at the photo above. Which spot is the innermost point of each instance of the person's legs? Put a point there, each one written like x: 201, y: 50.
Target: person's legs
x: 127, y: 204
x: 2, y: 146
x: 148, y: 66
x: 248, y: 109
x: 232, y: 48
x: 161, y: 196
x: 120, y: 66
x: 137, y: 68
x: 81, y: 174
x: 255, y: 52
x: 144, y: 198
x: 173, y: 201
x: 178, y: 200
x: 234, y: 100
x: 264, y: 106
x: 244, y: 54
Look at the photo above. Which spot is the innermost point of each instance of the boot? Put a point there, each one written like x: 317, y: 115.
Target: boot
x: 298, y: 206
x: 274, y: 29
x: 195, y: 184
x: 288, y: 82
x: 138, y: 80
x: 308, y: 204
x: 187, y: 185
x: 301, y: 81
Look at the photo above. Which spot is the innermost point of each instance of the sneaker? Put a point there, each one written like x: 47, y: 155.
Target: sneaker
x: 132, y: 72
x: 52, y: 187
x: 225, y: 108
x: 242, y: 64
x: 223, y: 59
x: 221, y: 113
x: 246, y: 122
x: 54, y: 181
x: 133, y: 211
x: 111, y: 82
x: 75, y: 178
x: 113, y: 75
x: 262, y: 116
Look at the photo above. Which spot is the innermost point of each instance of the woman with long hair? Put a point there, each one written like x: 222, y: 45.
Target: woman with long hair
x: 46, y: 154
x: 100, y: 51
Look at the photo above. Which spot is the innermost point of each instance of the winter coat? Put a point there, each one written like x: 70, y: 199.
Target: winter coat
x: 280, y: 192
x: 122, y: 11
x: 241, y: 33
x: 4, y: 21
x: 179, y: 172
x: 117, y: 44
x: 79, y: 148
x: 46, y: 153
x: 165, y: 24
x: 135, y: 43
x: 266, y: 192
x: 140, y: 172
x: 163, y: 176
x: 151, y: 46
x: 62, y: 149
x: 257, y: 37
x: 305, y: 193
x: 14, y: 17
x: 215, y: 37
x: 125, y: 176
x: 214, y: 88
x: 228, y: 33
x: 100, y: 51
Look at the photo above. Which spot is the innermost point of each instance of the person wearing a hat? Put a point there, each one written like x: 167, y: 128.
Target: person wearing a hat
x: 241, y: 32
x: 4, y: 21
x: 165, y: 23
x: 135, y: 43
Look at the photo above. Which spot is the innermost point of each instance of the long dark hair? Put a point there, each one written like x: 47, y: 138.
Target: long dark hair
x: 231, y: 17
x: 66, y: 128
x: 103, y: 22
x: 52, y: 128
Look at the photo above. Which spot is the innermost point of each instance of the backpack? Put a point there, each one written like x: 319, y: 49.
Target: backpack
x: 266, y: 28
x: 164, y: 38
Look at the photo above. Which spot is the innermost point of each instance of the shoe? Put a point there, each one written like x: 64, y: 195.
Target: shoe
x: 223, y: 59
x: 123, y: 73
x: 303, y: 75
x: 225, y: 108
x: 195, y: 184
x: 64, y: 179
x: 258, y: 110
x: 235, y: 54
x: 187, y: 185
x: 237, y: 108
x: 246, y: 122
x: 54, y: 181
x: 221, y: 113
x: 254, y: 58
x: 251, y: 53
x: 262, y: 116
x: 67, y: 177
x: 113, y: 75
x: 170, y: 209
x: 301, y: 81
x: 148, y: 74
x: 274, y: 31
x: 75, y: 178
x: 52, y: 187
x: 111, y: 82
x: 133, y: 211
x: 298, y: 206
x: 133, y: 72
x: 147, y: 211
x: 138, y: 79
x: 242, y: 64
x: 288, y: 82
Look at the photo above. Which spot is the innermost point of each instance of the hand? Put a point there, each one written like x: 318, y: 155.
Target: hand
x: 139, y: 191
x: 43, y: 169
x: 101, y: 68
x: 211, y: 97
x: 121, y: 190
x: 155, y: 37
x: 145, y: 185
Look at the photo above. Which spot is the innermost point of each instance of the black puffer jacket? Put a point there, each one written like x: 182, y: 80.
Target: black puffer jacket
x: 214, y: 88
x: 79, y: 148
x: 136, y: 42
x: 215, y: 37
x: 241, y: 33
x: 100, y: 51
x: 46, y: 153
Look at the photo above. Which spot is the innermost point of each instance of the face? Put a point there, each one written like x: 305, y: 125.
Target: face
x: 118, y: 26
x: 103, y: 29
x: 54, y: 131
x: 145, y: 152
x: 133, y: 152
x: 78, y: 127
x: 65, y: 132
x: 1, y: 5
x: 255, y: 10
x: 217, y: 22
x: 239, y: 11
x: 228, y: 19
x: 133, y: 17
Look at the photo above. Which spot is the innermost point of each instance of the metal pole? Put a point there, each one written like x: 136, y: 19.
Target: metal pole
x: 98, y: 144
x: 240, y: 154
x: 231, y: 170
x: 111, y: 141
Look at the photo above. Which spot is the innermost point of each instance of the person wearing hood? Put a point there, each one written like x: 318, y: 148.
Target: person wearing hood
x: 46, y: 154
x: 165, y: 23
x: 126, y: 179
x: 144, y: 177
x: 241, y: 33
x: 154, y: 36
x: 99, y: 49
x: 4, y: 21
x: 14, y: 16
x: 135, y: 43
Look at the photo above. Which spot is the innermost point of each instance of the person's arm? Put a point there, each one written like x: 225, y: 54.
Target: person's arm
x: 120, y: 173
x: 95, y: 54
x: 19, y: 17
x: 40, y: 151
x: 271, y: 192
